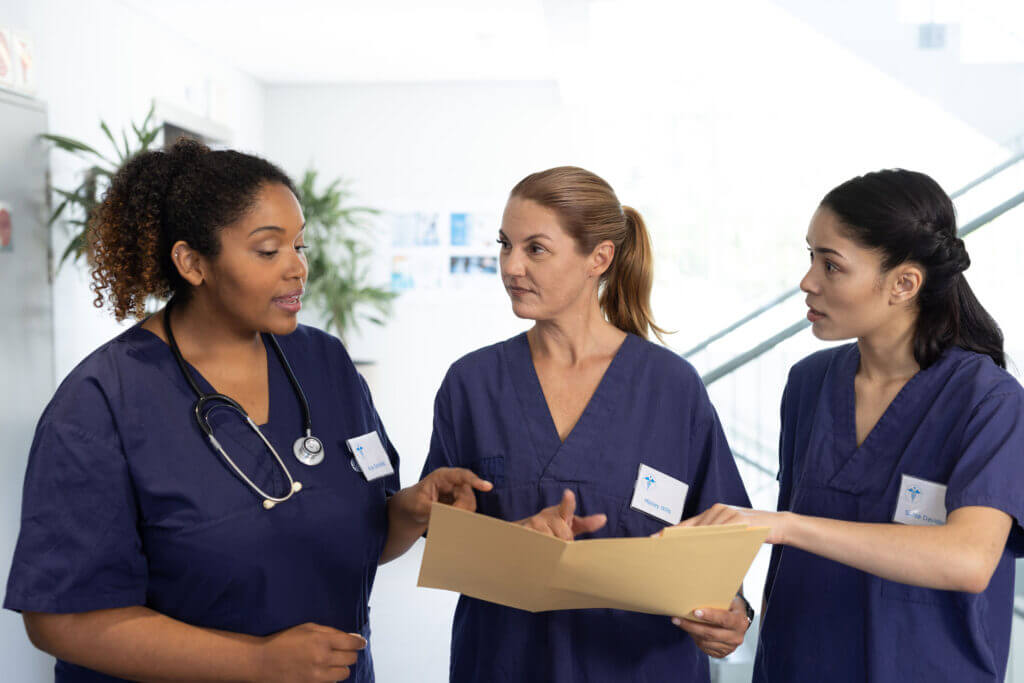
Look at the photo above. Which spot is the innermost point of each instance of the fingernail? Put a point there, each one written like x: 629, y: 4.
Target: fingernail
x: 699, y: 613
x: 677, y: 621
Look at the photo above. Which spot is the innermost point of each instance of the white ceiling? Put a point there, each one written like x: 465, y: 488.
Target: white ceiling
x: 316, y: 41
x: 304, y: 41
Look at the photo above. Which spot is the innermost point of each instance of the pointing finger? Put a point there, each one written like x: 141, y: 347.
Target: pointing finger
x: 460, y: 476
x: 567, y: 507
x: 589, y: 524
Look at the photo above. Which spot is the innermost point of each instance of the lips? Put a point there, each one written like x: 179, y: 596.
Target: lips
x: 814, y: 315
x: 291, y: 302
x: 516, y: 291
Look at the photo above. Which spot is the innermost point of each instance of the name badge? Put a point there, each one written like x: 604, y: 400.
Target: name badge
x: 921, y: 502
x: 370, y: 455
x: 659, y: 495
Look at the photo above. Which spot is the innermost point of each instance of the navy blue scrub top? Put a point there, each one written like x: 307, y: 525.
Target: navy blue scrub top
x: 959, y: 423
x: 125, y: 503
x: 651, y: 408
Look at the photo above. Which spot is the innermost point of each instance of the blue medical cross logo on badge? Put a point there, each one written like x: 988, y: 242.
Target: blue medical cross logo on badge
x: 650, y: 481
x: 360, y: 449
x: 914, y: 493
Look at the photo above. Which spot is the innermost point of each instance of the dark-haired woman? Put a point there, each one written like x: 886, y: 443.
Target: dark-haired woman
x: 577, y: 416
x: 170, y: 537
x: 902, y: 457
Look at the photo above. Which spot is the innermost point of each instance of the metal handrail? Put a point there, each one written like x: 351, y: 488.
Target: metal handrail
x: 759, y: 350
x: 742, y: 321
x: 775, y: 340
x: 982, y: 178
x: 796, y: 290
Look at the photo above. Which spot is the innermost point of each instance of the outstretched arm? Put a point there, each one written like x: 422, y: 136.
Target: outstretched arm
x: 960, y: 555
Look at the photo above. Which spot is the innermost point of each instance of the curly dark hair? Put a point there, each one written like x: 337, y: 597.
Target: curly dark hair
x: 158, y: 198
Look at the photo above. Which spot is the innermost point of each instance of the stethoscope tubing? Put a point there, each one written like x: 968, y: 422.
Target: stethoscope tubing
x: 204, y: 400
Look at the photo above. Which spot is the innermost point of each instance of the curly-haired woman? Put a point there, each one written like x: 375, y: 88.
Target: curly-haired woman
x: 173, y: 526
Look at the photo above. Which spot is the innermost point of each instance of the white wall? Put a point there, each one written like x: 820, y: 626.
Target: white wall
x: 988, y: 96
x: 726, y: 148
x: 102, y: 60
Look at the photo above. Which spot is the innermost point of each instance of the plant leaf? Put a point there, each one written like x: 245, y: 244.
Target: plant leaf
x: 57, y: 212
x: 74, y: 250
x: 110, y: 136
x: 73, y: 146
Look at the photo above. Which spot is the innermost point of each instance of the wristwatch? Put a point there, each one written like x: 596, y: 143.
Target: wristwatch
x: 748, y: 608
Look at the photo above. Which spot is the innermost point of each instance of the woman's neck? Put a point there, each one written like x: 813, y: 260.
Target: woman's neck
x: 575, y: 336
x: 888, y: 353
x: 203, y: 331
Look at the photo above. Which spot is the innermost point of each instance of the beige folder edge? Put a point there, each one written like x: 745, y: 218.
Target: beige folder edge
x: 508, y: 564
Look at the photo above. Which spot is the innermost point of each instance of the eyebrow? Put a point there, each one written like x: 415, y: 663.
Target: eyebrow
x: 275, y: 228
x: 826, y: 250
x: 527, y: 239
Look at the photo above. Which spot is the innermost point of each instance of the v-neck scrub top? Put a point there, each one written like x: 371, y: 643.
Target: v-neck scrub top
x: 125, y: 502
x: 960, y: 424
x: 649, y: 408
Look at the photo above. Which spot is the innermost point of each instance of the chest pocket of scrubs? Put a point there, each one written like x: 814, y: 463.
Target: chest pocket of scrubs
x: 920, y: 502
x: 369, y: 498
x: 491, y: 468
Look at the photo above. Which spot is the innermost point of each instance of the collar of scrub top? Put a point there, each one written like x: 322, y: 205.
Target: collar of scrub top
x: 308, y: 449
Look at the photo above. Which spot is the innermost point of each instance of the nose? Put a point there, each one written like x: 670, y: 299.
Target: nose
x: 512, y: 264
x: 298, y: 267
x: 809, y: 283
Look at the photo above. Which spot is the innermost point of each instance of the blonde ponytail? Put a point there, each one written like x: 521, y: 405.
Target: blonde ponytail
x: 626, y: 296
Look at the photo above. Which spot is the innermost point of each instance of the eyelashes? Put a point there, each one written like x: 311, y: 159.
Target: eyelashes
x: 271, y: 254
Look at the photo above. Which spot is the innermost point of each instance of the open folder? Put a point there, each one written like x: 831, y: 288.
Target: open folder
x: 505, y: 563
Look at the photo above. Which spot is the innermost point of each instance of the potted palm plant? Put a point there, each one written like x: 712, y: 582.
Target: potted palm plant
x: 339, y: 258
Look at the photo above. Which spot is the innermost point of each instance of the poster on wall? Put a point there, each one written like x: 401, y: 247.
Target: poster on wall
x: 416, y: 271
x: 24, y: 63
x: 6, y: 59
x: 472, y: 271
x: 474, y: 229
x: 442, y: 250
x: 6, y: 229
x: 415, y: 229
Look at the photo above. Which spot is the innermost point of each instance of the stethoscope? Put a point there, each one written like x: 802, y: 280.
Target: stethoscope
x: 308, y: 449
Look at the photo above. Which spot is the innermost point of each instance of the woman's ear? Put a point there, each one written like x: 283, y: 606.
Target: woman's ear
x: 601, y: 258
x: 188, y: 263
x: 906, y: 283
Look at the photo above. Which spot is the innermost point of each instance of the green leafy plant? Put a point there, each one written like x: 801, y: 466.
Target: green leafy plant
x: 77, y: 205
x: 339, y: 256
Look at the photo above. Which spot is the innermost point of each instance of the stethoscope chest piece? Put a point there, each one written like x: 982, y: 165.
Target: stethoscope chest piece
x: 309, y: 450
